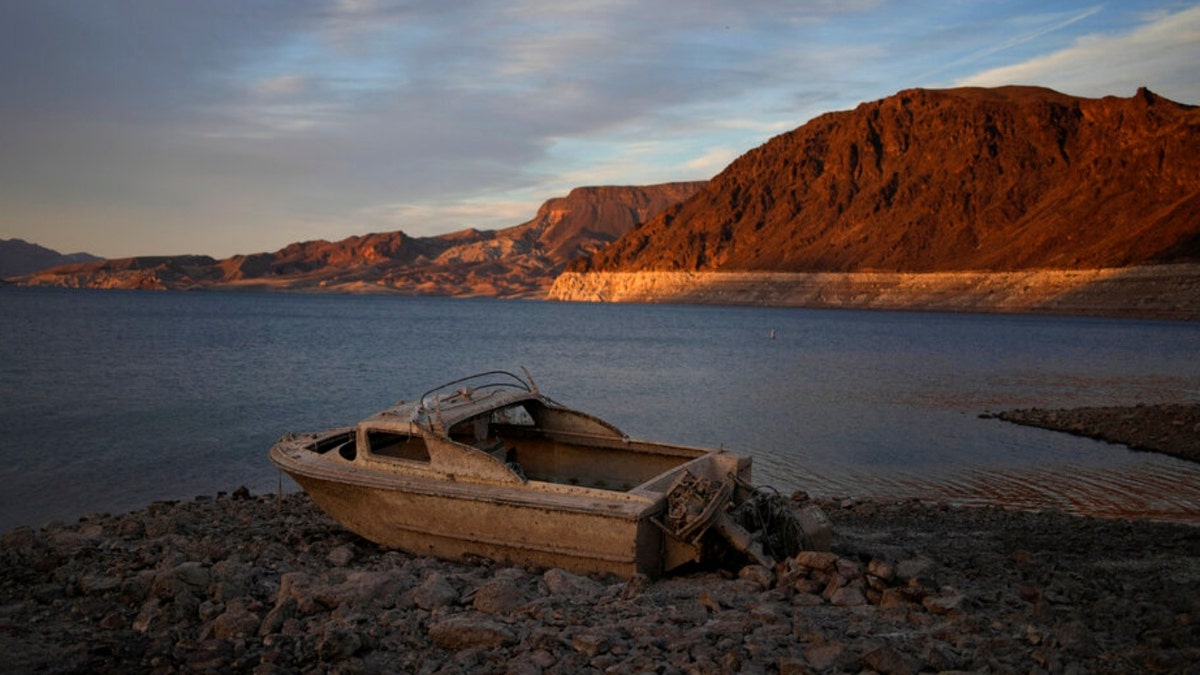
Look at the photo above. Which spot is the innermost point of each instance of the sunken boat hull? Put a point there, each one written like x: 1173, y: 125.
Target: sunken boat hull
x: 538, y: 524
x: 509, y: 476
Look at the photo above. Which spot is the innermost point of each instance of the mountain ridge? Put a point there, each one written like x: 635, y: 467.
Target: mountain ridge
x: 19, y: 257
x: 915, y: 198
x: 518, y: 261
x: 960, y: 179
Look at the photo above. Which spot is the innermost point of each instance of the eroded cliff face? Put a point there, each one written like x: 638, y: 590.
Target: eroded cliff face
x: 520, y: 261
x: 1003, y: 179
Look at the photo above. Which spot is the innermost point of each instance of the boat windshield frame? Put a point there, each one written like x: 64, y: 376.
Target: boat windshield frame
x: 507, y: 380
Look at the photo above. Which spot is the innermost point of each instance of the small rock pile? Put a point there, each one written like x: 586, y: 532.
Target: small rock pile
x: 271, y: 585
x: 817, y: 577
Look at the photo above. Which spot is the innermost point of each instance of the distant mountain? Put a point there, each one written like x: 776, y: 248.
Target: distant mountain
x: 970, y: 179
x: 520, y: 261
x: 19, y: 257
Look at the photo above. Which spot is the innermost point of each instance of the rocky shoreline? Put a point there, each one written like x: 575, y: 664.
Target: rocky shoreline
x: 1170, y: 429
x: 269, y: 584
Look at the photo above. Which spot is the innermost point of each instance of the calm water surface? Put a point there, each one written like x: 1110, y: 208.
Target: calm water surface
x: 111, y: 400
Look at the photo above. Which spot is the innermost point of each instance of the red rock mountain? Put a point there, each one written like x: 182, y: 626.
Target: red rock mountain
x: 518, y: 261
x: 941, y: 180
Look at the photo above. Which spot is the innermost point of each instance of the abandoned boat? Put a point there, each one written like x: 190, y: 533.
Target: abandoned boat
x: 488, y: 467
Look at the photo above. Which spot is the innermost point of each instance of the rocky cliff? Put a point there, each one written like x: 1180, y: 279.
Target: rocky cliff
x: 514, y: 262
x: 961, y: 180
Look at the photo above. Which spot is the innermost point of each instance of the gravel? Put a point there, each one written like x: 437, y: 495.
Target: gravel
x: 269, y: 584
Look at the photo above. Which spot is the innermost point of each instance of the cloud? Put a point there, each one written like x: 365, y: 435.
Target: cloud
x: 282, y: 85
x: 326, y: 118
x: 714, y: 160
x: 436, y: 218
x: 1162, y: 53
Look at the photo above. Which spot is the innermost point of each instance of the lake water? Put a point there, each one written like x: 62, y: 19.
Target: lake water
x: 112, y: 399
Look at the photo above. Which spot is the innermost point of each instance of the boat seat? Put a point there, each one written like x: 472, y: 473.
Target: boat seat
x: 494, y: 448
x: 503, y: 453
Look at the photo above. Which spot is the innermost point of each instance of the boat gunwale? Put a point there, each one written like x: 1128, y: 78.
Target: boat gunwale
x: 540, y: 493
x: 296, y: 454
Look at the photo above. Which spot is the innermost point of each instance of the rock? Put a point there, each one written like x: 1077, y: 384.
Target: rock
x: 635, y: 586
x: 70, y: 543
x: 340, y: 556
x: 1029, y: 593
x: 150, y: 617
x: 236, y: 622
x: 572, y: 586
x: 813, y: 586
x: 882, y: 569
x: 817, y: 560
x: 22, y: 546
x: 896, y: 597
x: 791, y: 665
x: 590, y: 643
x: 96, y: 584
x: 363, y: 588
x: 499, y: 596
x: 465, y: 631
x: 194, y: 575
x: 709, y: 602
x: 298, y: 586
x: 434, y: 592
x: 847, y: 596
x: 167, y: 586
x: 949, y: 603
x: 912, y: 568
x: 807, y: 600
x: 209, y: 656
x: 134, y: 590
x: 285, y: 608
x: 113, y: 621
x: 231, y: 579
x: 824, y: 656
x: 338, y: 644
x: 761, y: 576
x: 818, y: 529
x: 888, y: 661
x: 848, y: 569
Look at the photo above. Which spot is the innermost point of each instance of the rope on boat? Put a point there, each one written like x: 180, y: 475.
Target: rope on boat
x: 279, y: 497
x: 764, y: 526
x: 772, y: 520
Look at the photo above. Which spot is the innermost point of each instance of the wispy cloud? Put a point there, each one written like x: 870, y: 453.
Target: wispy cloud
x: 1162, y: 53
x: 282, y: 85
x: 1029, y: 29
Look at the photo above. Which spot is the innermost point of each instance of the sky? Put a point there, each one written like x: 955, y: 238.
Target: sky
x: 217, y: 127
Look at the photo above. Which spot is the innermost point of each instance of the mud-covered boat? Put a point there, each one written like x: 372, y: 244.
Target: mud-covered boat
x: 489, y: 467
